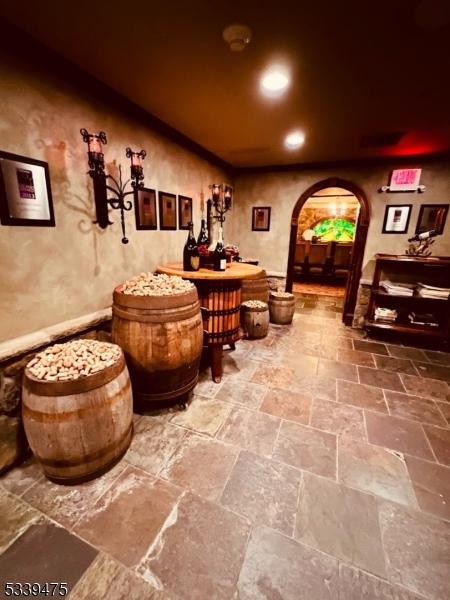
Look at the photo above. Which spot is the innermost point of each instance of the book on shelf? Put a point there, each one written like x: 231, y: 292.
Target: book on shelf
x: 385, y: 315
x: 397, y: 289
x: 431, y: 291
x: 423, y: 319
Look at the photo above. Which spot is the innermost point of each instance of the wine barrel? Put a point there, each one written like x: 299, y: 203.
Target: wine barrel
x: 255, y: 289
x: 255, y: 321
x: 78, y: 429
x: 162, y: 337
x: 281, y: 309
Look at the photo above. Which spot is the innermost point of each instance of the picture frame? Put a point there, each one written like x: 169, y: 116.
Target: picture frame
x: 432, y: 216
x: 145, y: 209
x: 184, y: 211
x: 25, y: 192
x: 396, y: 218
x: 261, y: 218
x: 167, y: 211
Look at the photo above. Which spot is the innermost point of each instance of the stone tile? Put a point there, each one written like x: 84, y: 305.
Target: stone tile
x: 279, y: 568
x: 292, y: 406
x: 340, y: 521
x: 366, y: 346
x: 396, y: 365
x: 433, y: 371
x: 358, y: 585
x: 238, y: 367
x: 444, y: 407
x: 356, y: 357
x: 427, y: 388
x: 127, y: 518
x: 198, y: 552
x: 432, y: 486
x: 413, y: 407
x: 302, y: 364
x: 341, y: 370
x: 201, y: 465
x: 337, y: 341
x: 22, y: 477
x: 440, y: 442
x: 417, y: 549
x: 319, y: 349
x: 67, y: 504
x: 317, y: 386
x: 379, y: 378
x: 106, y: 578
x: 203, y: 415
x: 373, y: 469
x: 153, y: 443
x: 440, y: 358
x: 263, y: 491
x: 242, y: 392
x: 338, y: 418
x: 206, y: 387
x: 47, y: 553
x: 15, y: 517
x: 273, y: 376
x: 397, y: 434
x: 249, y: 430
x: 406, y: 352
x: 363, y: 396
x: 306, y: 448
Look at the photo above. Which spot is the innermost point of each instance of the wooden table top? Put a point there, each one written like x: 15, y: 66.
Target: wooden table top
x: 234, y: 270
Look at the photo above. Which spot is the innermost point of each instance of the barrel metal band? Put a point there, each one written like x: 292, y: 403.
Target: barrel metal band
x: 223, y: 334
x: 222, y: 313
x: 180, y: 315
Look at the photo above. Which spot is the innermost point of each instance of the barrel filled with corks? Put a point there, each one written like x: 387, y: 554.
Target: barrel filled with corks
x: 77, y: 409
x: 255, y: 288
x: 281, y: 307
x: 255, y: 318
x: 157, y: 321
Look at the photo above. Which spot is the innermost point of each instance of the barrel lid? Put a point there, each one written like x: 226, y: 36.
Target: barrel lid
x: 156, y: 302
x: 84, y: 383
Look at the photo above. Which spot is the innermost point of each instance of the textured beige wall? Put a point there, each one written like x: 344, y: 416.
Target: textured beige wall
x: 49, y: 275
x: 281, y: 191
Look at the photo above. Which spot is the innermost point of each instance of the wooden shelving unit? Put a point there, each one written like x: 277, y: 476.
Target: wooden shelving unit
x: 409, y: 269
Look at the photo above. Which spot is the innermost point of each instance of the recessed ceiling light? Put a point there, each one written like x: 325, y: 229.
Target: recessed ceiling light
x: 294, y: 140
x: 275, y: 80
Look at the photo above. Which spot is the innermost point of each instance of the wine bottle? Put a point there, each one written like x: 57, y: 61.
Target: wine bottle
x: 203, y: 240
x: 220, y: 258
x: 191, y: 257
x: 423, y: 236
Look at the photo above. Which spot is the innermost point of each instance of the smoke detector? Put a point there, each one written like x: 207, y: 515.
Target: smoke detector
x: 237, y: 36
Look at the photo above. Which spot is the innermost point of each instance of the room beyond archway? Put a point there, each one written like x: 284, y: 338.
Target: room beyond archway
x: 328, y: 234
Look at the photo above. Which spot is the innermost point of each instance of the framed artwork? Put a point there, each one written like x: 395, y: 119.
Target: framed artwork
x: 145, y: 208
x: 432, y: 216
x: 25, y: 192
x: 184, y: 211
x: 396, y: 218
x: 167, y: 211
x: 261, y: 218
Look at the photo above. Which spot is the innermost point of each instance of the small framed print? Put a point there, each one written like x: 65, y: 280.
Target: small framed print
x: 396, y: 218
x: 261, y: 218
x: 432, y: 216
x: 145, y: 208
x: 25, y: 192
x: 184, y: 211
x: 167, y: 210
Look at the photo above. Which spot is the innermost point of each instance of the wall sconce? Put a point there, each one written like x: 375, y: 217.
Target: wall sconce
x: 221, y: 200
x: 96, y: 163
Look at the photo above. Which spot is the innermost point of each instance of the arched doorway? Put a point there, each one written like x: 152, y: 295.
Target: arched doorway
x: 359, y: 244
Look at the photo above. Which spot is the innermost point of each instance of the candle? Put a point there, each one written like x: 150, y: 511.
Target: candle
x: 135, y: 159
x: 94, y: 144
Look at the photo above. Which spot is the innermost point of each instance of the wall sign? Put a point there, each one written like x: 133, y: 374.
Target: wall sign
x: 404, y: 180
x: 25, y: 193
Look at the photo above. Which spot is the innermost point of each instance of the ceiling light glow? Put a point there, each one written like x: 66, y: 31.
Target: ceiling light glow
x: 275, y: 80
x: 294, y: 140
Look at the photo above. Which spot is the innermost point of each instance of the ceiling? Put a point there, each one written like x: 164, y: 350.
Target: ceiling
x: 358, y: 69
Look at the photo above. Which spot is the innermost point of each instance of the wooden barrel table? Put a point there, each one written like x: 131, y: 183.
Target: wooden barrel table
x: 220, y: 298
x: 256, y: 288
x: 78, y: 429
x: 162, y: 337
x: 255, y: 320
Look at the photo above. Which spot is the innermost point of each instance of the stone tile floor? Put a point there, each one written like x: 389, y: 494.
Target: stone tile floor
x: 318, y: 469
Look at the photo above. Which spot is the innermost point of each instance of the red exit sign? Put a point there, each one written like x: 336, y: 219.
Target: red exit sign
x: 405, y: 180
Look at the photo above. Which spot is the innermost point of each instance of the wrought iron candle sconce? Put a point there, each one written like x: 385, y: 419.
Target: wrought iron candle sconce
x: 96, y: 161
x: 221, y: 201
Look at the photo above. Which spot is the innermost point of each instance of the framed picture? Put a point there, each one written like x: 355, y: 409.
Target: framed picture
x: 261, y: 218
x: 184, y: 211
x: 25, y: 192
x: 396, y: 218
x: 432, y: 216
x: 145, y: 208
x: 167, y: 210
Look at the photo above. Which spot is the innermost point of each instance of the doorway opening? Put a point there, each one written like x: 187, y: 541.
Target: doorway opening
x: 327, y: 240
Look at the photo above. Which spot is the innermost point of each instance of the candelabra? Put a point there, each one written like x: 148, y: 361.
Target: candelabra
x: 221, y: 200
x: 96, y: 163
